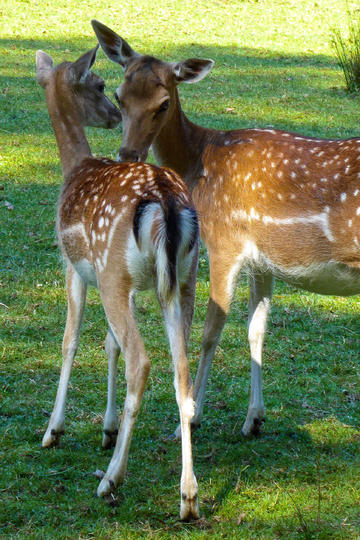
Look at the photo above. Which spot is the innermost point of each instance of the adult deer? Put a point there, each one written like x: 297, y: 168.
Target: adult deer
x: 122, y: 227
x: 277, y: 203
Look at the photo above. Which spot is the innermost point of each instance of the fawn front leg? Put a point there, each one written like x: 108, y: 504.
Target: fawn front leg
x: 76, y: 294
x: 111, y: 418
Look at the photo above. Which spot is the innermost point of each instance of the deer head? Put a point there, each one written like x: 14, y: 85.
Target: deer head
x: 147, y: 98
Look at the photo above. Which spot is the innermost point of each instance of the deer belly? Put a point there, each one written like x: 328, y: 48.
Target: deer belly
x: 324, y: 278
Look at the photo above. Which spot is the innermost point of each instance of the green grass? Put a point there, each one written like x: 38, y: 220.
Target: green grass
x: 300, y: 478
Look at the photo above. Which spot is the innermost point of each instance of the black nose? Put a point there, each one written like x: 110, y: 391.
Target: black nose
x: 127, y: 155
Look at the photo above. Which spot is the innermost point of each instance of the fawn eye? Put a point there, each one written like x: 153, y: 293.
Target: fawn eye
x: 101, y: 88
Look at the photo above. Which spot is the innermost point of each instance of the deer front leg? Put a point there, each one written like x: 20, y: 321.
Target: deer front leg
x: 189, y: 505
x: 111, y: 418
x: 76, y: 294
x: 137, y: 369
x: 261, y: 286
x: 222, y: 285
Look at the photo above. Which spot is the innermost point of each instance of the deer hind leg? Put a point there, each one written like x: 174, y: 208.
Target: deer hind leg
x: 189, y: 505
x: 137, y: 367
x: 261, y: 286
x: 111, y: 418
x: 76, y: 294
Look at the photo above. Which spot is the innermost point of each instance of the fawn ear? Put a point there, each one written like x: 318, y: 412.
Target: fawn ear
x: 83, y: 65
x: 192, y: 70
x: 44, y: 67
x: 114, y: 46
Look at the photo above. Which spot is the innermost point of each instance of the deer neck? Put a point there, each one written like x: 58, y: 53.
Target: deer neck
x: 180, y: 145
x: 69, y: 131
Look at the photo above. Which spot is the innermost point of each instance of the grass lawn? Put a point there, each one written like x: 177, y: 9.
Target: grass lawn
x: 274, y: 66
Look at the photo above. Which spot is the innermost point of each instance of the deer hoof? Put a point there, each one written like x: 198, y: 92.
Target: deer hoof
x: 177, y: 433
x: 109, y: 438
x: 106, y: 488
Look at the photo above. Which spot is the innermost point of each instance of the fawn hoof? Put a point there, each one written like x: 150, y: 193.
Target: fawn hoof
x: 253, y: 423
x: 109, y: 438
x: 177, y: 433
x: 189, y: 508
x: 52, y: 438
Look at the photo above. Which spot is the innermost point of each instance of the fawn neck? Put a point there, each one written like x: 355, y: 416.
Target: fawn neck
x: 68, y: 128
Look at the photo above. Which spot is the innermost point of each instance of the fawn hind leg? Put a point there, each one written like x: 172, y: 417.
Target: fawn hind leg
x: 137, y: 366
x: 76, y: 293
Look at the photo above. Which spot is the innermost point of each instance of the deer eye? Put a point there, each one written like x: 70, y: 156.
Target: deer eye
x: 163, y: 107
x: 101, y: 87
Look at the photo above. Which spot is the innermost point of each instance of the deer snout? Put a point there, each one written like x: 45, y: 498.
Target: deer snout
x: 124, y: 154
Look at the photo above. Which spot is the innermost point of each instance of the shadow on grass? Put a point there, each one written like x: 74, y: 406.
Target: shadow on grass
x: 278, y: 84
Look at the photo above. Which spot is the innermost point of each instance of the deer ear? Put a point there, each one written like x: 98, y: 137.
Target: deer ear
x: 83, y: 65
x: 44, y: 67
x: 192, y: 70
x: 115, y: 47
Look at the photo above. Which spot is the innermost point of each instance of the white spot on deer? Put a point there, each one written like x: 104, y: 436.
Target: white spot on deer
x: 93, y: 236
x: 273, y: 165
x: 286, y: 161
x: 343, y: 197
x: 279, y: 196
x: 356, y: 241
x: 247, y: 176
x: 267, y: 220
x: 350, y: 223
x: 253, y: 186
x: 124, y: 198
x: 297, y: 161
x: 323, y: 179
x: 293, y: 174
x: 347, y: 169
x: 106, y: 222
x: 358, y: 211
x: 101, y: 222
x: 356, y: 192
x: 279, y: 174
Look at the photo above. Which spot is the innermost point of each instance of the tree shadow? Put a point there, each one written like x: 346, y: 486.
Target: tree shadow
x: 287, y: 89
